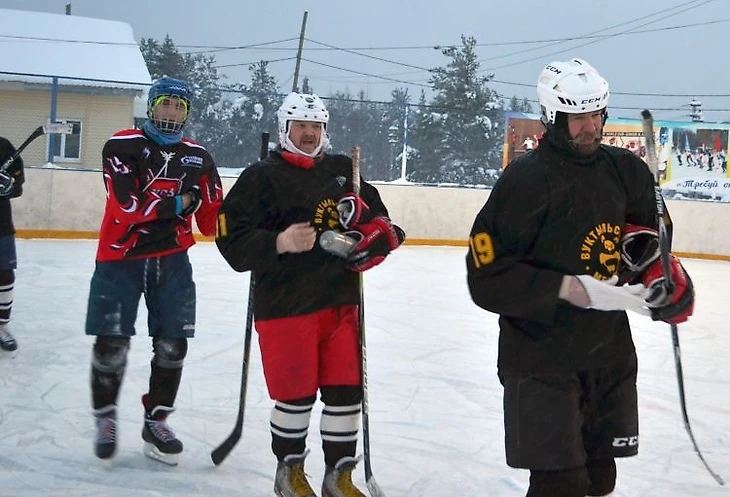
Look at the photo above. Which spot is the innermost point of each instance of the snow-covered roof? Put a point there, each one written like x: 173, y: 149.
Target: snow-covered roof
x: 34, y: 44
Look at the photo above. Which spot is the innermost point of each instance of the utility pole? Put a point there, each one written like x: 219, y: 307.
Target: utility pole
x: 404, y: 155
x: 295, y: 82
x: 696, y: 112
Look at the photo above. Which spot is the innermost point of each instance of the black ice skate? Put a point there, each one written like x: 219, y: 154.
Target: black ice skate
x: 338, y: 480
x: 106, y: 432
x: 160, y: 441
x: 7, y: 341
x: 290, y: 479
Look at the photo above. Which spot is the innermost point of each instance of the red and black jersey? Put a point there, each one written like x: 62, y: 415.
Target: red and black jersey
x: 545, y: 218
x: 142, y: 179
x: 267, y: 198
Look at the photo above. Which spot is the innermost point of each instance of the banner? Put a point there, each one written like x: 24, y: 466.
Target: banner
x: 692, y: 155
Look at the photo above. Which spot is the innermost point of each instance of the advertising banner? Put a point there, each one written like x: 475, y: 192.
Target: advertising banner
x: 692, y: 155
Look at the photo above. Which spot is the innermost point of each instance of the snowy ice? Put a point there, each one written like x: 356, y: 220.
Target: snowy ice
x: 435, y: 401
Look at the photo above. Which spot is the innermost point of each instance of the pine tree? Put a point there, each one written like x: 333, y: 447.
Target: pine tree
x: 470, y: 117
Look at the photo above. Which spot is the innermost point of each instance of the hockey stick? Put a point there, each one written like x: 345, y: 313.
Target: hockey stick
x: 652, y: 161
x: 60, y: 128
x: 225, y: 448
x: 372, y: 485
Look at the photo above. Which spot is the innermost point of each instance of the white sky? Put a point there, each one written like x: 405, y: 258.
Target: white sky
x: 436, y: 416
x: 676, y: 48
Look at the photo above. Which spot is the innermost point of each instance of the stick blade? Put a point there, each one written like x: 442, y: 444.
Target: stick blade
x: 225, y: 448
x: 374, y: 488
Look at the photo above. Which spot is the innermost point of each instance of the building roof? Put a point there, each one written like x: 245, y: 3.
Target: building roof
x: 81, y: 51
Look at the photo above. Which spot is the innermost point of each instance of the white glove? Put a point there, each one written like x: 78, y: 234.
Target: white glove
x: 606, y: 296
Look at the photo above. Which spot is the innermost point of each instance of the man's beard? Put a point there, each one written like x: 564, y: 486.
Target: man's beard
x: 586, y: 144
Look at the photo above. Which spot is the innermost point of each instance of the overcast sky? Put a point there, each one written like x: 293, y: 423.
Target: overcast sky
x: 675, y: 48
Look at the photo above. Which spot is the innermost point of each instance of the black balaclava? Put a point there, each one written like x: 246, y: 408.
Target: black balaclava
x: 559, y: 138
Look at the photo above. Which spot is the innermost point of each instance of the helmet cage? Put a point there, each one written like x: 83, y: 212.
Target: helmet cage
x: 167, y: 87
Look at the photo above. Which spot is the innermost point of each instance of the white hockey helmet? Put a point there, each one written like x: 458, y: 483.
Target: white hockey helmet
x: 572, y: 87
x: 302, y: 107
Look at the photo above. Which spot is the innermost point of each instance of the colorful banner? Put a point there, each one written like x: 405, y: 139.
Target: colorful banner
x: 692, y: 155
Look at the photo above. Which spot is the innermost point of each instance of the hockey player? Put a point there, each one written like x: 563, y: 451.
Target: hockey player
x: 558, y: 228
x: 305, y: 299
x: 11, y: 186
x: 156, y: 181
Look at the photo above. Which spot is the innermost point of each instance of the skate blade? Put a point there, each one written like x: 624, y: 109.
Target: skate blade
x: 154, y: 453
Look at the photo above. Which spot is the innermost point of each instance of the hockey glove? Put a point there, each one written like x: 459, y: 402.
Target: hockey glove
x: 672, y: 308
x: 377, y: 239
x: 604, y: 295
x: 351, y: 208
x: 6, y: 185
x: 639, y: 248
x: 195, y: 201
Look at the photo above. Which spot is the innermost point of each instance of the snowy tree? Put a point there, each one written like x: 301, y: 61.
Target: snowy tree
x: 470, y: 116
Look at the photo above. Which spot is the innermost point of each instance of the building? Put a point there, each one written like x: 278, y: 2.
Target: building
x: 71, y: 69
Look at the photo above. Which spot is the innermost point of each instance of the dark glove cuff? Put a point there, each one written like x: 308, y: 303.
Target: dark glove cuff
x: 685, y: 302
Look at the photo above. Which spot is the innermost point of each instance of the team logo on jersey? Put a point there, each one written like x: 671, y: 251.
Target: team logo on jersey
x: 326, y: 216
x: 192, y: 161
x: 167, y: 157
x: 341, y: 180
x: 165, y: 187
x: 599, y: 250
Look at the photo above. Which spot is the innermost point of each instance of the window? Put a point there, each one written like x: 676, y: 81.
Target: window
x: 67, y: 148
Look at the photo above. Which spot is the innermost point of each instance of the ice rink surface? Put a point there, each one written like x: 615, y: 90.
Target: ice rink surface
x: 435, y: 401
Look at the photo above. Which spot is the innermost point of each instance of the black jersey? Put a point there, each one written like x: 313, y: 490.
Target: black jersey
x: 16, y: 171
x: 267, y: 198
x: 545, y: 218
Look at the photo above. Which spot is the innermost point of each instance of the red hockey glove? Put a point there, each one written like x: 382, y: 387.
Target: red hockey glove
x: 351, y: 208
x: 377, y: 239
x: 677, y: 307
x: 639, y: 248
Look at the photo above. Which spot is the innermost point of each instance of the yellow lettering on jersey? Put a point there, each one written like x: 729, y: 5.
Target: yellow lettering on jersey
x: 221, y: 226
x: 482, y: 249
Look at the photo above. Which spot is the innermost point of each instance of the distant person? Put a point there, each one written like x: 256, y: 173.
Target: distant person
x: 156, y: 181
x: 11, y: 186
x: 306, y: 300
x: 529, y: 143
x: 565, y: 244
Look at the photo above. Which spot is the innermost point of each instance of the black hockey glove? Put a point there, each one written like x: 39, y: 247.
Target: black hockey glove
x: 639, y: 249
x: 6, y: 185
x: 195, y: 201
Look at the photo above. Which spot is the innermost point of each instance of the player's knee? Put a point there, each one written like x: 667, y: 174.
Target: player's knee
x: 7, y: 277
x: 341, y: 395
x: 110, y: 354
x: 563, y: 483
x: 602, y: 476
x: 170, y: 353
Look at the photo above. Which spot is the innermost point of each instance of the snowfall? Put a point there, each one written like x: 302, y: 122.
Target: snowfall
x: 435, y: 401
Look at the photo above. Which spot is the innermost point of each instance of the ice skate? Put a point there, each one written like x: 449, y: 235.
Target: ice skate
x: 7, y: 341
x: 106, y: 432
x: 291, y: 481
x: 338, y: 480
x: 160, y: 441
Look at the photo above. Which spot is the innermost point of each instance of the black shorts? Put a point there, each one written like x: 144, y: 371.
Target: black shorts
x: 562, y: 420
